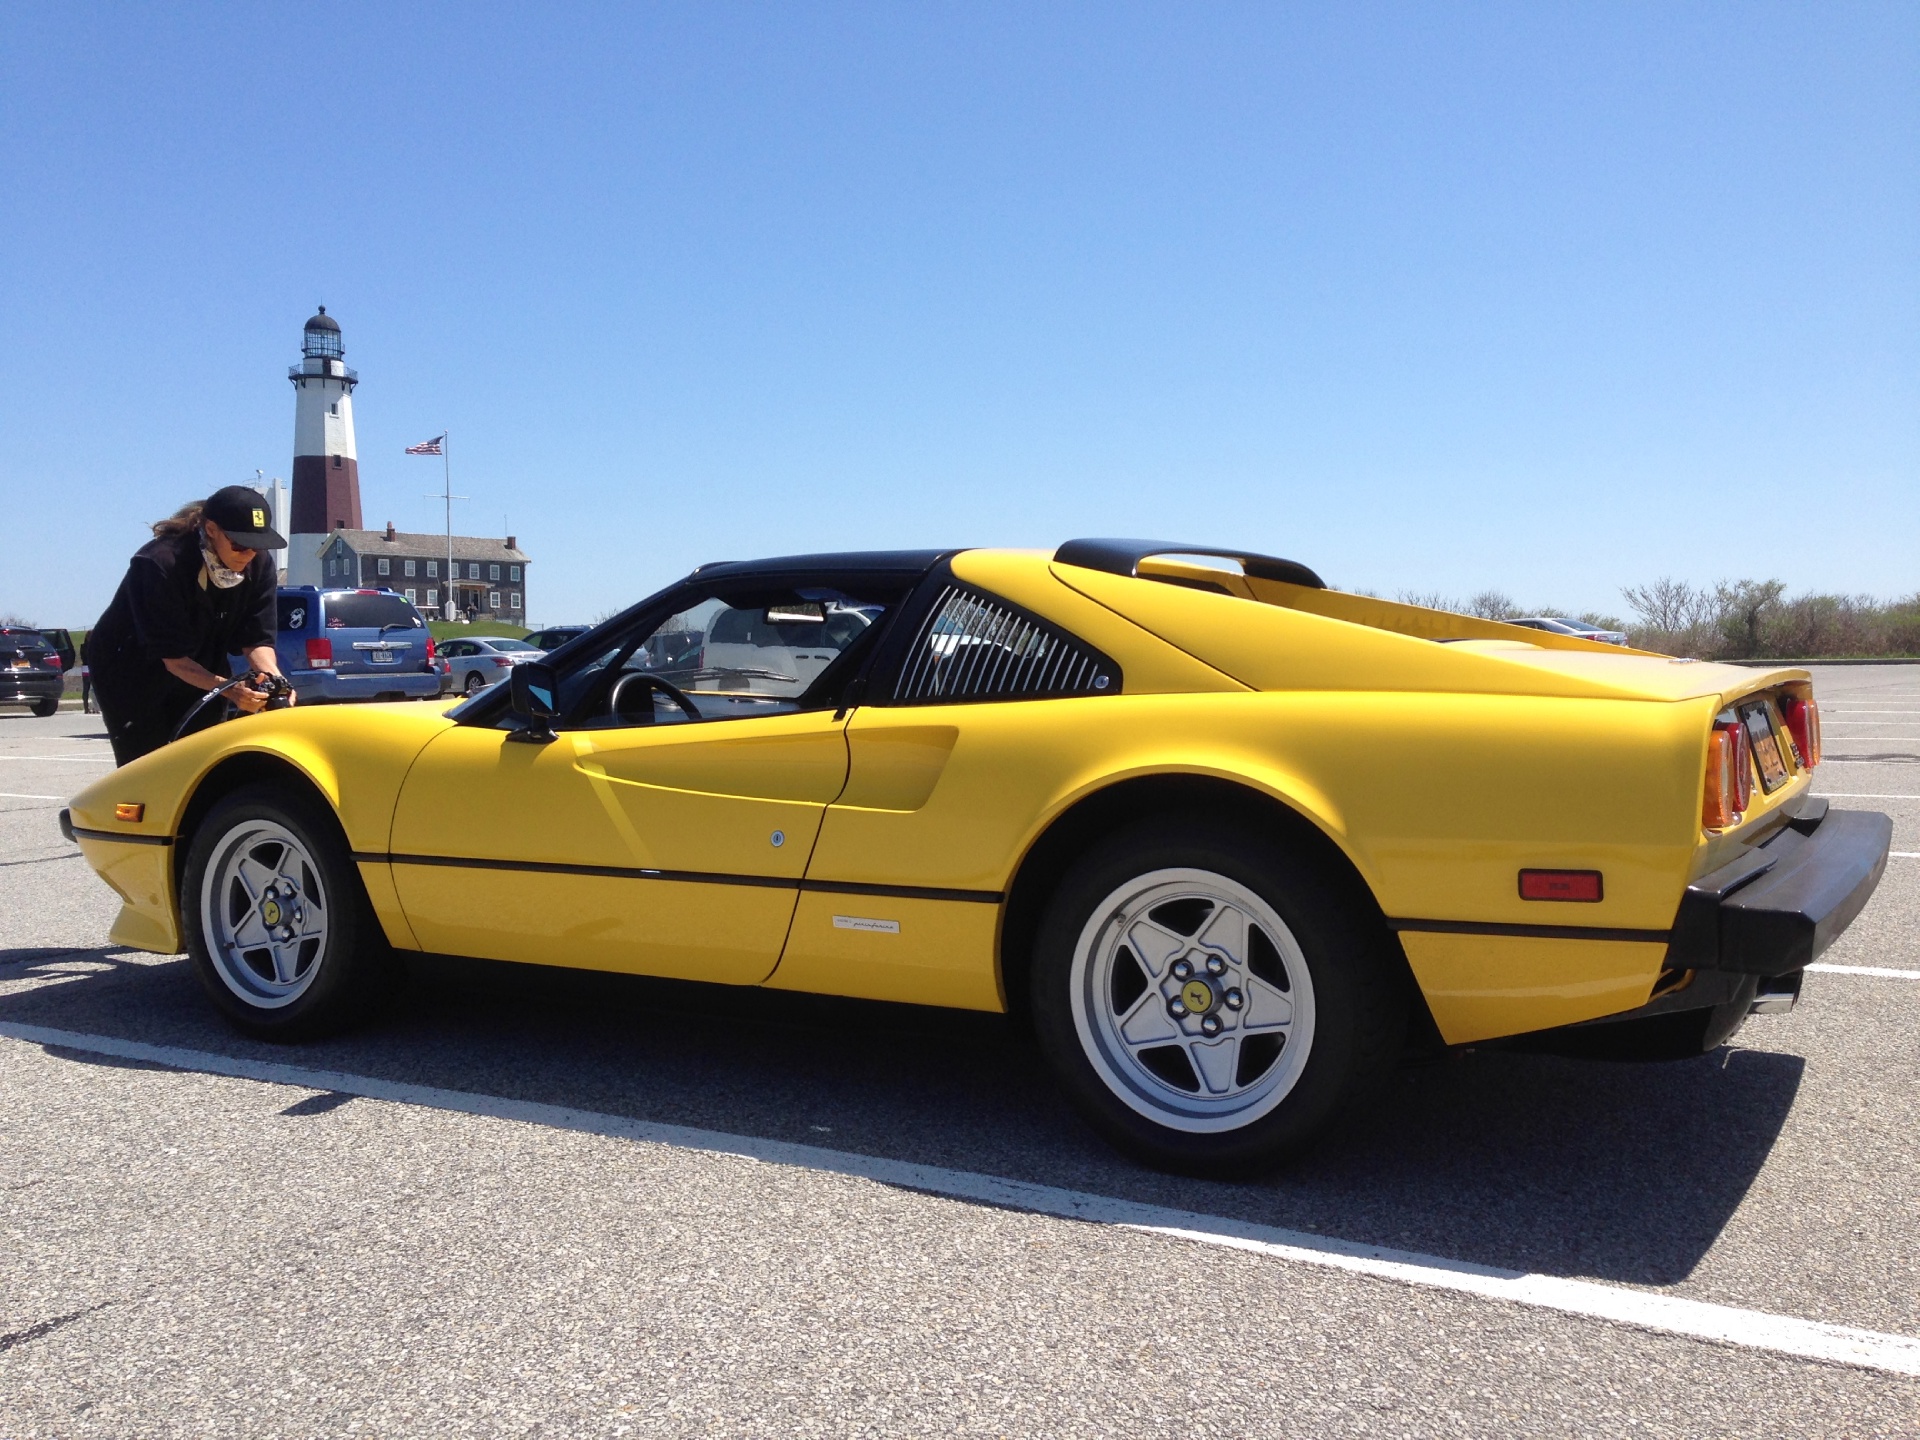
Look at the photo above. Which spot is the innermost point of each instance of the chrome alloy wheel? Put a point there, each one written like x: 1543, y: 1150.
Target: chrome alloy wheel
x: 263, y: 912
x: 1192, y: 999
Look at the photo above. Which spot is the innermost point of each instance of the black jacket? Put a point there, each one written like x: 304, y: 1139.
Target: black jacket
x: 166, y: 609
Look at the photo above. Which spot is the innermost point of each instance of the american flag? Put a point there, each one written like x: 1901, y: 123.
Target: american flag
x: 427, y: 447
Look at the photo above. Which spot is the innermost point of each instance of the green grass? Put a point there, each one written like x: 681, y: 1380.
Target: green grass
x: 454, y: 630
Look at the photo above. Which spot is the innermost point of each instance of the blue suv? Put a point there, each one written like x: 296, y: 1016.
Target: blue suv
x: 353, y: 645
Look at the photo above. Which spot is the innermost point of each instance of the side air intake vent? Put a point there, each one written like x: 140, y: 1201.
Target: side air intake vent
x: 974, y: 647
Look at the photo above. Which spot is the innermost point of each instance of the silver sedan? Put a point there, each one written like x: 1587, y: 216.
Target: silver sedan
x: 473, y: 664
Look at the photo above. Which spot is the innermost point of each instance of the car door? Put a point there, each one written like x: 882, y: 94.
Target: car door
x: 979, y: 723
x: 664, y: 831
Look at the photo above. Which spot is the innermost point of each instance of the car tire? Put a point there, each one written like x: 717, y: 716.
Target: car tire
x: 1303, y: 1013
x: 474, y: 684
x: 44, y: 708
x: 276, y: 920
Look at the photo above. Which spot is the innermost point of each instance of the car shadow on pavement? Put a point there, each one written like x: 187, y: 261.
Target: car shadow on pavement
x: 1625, y: 1172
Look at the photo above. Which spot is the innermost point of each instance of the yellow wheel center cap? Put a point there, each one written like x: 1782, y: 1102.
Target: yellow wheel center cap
x: 270, y: 912
x: 1197, y: 995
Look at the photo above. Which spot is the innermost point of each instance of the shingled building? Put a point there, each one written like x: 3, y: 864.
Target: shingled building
x: 488, y: 579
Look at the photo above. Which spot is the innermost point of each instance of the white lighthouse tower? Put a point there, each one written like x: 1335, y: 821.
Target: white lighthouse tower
x: 326, y: 469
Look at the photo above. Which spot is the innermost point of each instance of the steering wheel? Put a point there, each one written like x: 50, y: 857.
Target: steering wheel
x: 651, y: 682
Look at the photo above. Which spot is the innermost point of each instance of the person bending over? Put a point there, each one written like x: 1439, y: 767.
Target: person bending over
x: 202, y: 589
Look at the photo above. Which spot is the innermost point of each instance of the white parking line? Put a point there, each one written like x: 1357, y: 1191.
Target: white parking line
x: 9, y: 795
x: 1882, y: 972
x: 1862, y: 795
x: 64, y: 759
x: 1642, y: 1309
x: 1904, y: 854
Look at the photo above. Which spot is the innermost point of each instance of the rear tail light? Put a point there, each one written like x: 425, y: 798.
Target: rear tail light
x: 500, y: 660
x: 1802, y: 714
x: 429, y: 647
x: 320, y: 654
x: 1729, y: 776
x: 53, y: 662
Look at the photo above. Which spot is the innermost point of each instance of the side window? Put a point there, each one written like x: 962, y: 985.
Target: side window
x: 975, y: 646
x: 725, y: 659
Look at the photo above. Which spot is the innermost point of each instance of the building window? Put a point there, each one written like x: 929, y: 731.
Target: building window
x: 433, y: 569
x: 409, y: 569
x: 334, y: 408
x: 493, y: 599
x: 410, y: 599
x: 513, y: 572
x: 493, y: 572
x: 338, y: 463
x: 433, y: 597
x: 473, y: 570
x: 385, y: 566
x: 513, y: 601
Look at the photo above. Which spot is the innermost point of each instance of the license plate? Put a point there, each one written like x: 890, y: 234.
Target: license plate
x: 23, y: 664
x: 381, y: 657
x: 1766, y: 746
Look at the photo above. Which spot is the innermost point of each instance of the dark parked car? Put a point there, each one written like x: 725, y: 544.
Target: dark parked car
x: 353, y: 645
x: 30, y: 670
x: 554, y: 636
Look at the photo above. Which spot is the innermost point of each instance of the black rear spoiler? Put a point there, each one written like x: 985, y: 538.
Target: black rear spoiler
x: 1123, y: 557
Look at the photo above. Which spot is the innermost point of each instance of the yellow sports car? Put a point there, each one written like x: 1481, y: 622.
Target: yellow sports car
x: 1231, y: 839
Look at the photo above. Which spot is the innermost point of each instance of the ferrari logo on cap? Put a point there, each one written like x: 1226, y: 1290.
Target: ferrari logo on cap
x: 1198, y: 996
x: 259, y: 519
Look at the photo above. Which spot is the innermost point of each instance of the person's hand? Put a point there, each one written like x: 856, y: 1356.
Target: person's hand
x: 247, y: 698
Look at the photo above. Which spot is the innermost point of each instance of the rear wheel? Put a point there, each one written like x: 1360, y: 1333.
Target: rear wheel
x: 276, y: 919
x: 1209, y: 1002
x: 44, y: 708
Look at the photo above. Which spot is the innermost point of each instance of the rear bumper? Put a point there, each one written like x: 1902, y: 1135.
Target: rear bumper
x: 326, y: 685
x: 1774, y: 910
x: 30, y: 685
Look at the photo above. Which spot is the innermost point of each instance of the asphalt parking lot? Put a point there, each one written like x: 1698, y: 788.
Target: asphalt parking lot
x: 528, y: 1203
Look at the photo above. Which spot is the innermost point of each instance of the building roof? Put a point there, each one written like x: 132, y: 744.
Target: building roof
x: 427, y: 546
x: 323, y: 321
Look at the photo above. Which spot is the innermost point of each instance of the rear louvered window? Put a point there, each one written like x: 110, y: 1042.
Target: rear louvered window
x: 974, y: 647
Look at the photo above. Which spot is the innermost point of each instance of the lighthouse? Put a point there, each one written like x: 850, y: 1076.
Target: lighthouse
x: 326, y: 470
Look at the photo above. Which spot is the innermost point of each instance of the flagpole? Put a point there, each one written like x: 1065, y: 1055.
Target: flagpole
x: 446, y: 470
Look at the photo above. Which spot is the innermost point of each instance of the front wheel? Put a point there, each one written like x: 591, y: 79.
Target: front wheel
x: 276, y: 920
x: 474, y: 683
x: 1211, y: 1002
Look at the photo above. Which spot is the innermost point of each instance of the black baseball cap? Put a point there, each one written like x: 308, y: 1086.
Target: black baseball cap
x: 242, y: 514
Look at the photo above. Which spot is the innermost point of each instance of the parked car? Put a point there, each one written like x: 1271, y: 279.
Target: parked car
x: 471, y: 664
x: 353, y: 645
x: 1555, y: 625
x: 1228, y: 839
x: 554, y: 636
x: 31, y: 673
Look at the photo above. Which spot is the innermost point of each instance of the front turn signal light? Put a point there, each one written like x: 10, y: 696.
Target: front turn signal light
x: 1802, y: 714
x: 1729, y: 776
x: 133, y: 814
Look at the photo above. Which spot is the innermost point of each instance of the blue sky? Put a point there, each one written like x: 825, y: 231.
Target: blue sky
x: 1544, y: 298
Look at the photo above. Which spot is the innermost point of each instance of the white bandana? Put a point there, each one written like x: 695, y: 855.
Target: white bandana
x: 220, y: 575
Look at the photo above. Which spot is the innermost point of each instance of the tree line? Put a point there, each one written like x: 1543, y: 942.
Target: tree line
x: 1733, y: 620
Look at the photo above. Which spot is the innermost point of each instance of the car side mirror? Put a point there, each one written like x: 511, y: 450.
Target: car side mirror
x: 531, y: 691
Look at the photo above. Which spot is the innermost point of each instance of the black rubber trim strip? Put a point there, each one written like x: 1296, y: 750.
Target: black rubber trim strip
x: 616, y: 872
x: 1533, y: 932
x: 902, y: 892
x: 81, y: 833
x: 695, y: 877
